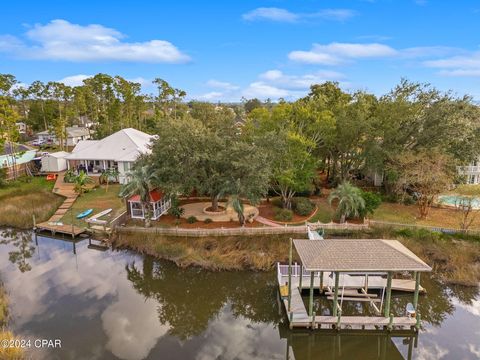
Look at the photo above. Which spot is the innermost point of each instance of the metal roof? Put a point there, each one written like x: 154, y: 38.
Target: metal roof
x: 124, y: 145
x: 357, y: 255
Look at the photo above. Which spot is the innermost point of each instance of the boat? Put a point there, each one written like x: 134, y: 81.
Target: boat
x: 100, y: 214
x: 84, y: 214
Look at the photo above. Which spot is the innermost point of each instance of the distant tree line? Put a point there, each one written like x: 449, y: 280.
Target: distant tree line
x: 250, y: 148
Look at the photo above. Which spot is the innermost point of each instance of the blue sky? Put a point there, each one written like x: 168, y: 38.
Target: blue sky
x: 223, y: 50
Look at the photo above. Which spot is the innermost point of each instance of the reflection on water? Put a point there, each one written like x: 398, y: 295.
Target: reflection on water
x: 121, y: 305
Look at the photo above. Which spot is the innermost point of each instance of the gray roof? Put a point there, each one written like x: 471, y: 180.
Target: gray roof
x: 362, y: 255
x: 9, y: 148
x: 72, y: 131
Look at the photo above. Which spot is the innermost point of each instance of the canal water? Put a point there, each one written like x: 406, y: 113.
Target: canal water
x: 121, y: 305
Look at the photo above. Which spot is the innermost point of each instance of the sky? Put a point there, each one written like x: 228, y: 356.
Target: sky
x: 226, y: 50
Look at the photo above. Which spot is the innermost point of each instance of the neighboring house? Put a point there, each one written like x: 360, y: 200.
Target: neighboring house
x: 54, y: 162
x: 15, y: 157
x: 22, y: 127
x: 74, y: 135
x: 159, y: 205
x: 471, y: 172
x: 117, y: 151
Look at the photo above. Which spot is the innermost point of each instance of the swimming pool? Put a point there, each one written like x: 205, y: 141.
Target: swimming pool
x: 453, y: 200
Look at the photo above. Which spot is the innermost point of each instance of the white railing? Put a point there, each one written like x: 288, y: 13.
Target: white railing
x: 468, y: 169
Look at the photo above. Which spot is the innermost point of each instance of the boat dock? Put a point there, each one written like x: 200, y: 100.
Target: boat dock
x: 346, y: 270
x: 59, y: 228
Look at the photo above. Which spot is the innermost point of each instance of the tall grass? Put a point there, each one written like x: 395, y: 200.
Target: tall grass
x: 222, y: 253
x: 7, y: 353
x: 453, y: 260
x: 21, y: 199
x: 17, y: 210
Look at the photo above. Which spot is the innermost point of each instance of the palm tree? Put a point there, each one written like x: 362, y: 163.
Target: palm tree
x: 350, y: 200
x: 81, y: 181
x: 141, y: 181
x: 236, y: 203
x: 107, y: 175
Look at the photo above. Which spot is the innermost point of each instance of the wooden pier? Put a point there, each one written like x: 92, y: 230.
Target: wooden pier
x: 59, y: 228
x: 345, y: 270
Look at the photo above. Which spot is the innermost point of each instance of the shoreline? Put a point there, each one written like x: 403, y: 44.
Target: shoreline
x: 455, y: 261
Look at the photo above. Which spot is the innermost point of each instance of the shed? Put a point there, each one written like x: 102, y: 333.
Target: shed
x: 55, y: 162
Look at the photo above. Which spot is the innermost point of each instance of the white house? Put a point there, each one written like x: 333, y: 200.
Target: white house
x: 117, y: 151
x: 22, y: 127
x: 471, y: 172
x: 74, y: 135
x: 55, y: 162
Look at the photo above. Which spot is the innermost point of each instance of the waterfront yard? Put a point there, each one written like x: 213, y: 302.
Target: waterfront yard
x: 24, y: 198
x: 98, y: 199
x: 408, y: 214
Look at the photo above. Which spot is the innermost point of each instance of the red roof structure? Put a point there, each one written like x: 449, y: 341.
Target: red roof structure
x: 155, y: 195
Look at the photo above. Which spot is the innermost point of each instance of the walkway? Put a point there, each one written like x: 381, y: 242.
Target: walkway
x: 267, y: 222
x: 66, y: 190
x: 197, y: 210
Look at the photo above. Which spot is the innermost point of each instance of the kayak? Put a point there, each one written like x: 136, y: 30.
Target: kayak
x: 84, y: 214
x: 100, y: 214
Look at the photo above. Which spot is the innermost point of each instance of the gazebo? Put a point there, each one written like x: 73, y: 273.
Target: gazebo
x: 159, y: 205
x: 354, y: 260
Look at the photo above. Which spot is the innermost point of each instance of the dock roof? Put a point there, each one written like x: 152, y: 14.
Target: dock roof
x: 357, y: 255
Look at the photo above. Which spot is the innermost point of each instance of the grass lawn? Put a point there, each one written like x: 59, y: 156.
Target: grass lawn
x: 408, y: 214
x: 467, y: 190
x: 97, y: 199
x: 324, y: 213
x: 23, y: 198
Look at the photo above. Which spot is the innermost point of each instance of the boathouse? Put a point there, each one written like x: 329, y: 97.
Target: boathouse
x: 358, y: 270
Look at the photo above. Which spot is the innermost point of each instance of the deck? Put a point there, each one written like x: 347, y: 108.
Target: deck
x: 375, y: 282
x: 56, y: 228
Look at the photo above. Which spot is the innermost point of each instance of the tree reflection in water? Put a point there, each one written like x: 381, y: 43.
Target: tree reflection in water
x: 22, y: 241
x: 190, y: 298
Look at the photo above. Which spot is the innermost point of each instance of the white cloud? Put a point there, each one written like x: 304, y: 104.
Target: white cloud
x: 336, y: 53
x: 262, y: 90
x: 273, y: 14
x: 62, y: 40
x: 211, y: 96
x: 299, y: 82
x: 74, y: 80
x: 275, y: 84
x: 460, y: 65
x: 221, y: 85
x: 283, y: 15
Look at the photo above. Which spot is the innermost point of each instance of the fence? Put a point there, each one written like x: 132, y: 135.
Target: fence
x: 378, y: 223
x: 266, y: 230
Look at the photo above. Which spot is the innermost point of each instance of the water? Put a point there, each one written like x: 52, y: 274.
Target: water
x: 456, y: 200
x: 121, y: 305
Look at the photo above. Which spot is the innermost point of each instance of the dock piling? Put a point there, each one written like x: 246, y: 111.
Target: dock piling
x: 415, y: 294
x: 388, y: 295
x: 290, y: 276
x: 335, y: 294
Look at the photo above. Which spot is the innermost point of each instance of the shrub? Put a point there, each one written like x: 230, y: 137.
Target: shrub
x: 283, y: 215
x: 176, y: 211
x: 191, y: 219
x: 409, y: 200
x: 208, y: 221
x: 276, y: 201
x: 302, y: 206
x: 372, y: 202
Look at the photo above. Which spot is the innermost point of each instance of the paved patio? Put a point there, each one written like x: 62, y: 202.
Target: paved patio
x: 196, y: 209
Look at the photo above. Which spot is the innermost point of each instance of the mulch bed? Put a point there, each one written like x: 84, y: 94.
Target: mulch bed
x: 267, y: 210
x: 170, y: 221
